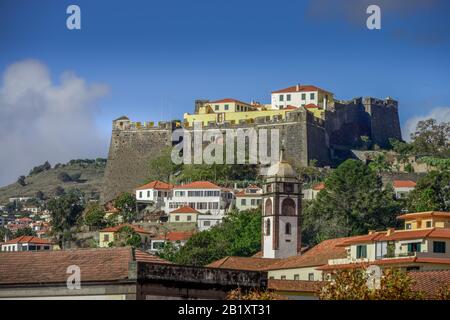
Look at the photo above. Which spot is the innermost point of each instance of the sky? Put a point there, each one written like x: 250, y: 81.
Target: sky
x: 60, y: 89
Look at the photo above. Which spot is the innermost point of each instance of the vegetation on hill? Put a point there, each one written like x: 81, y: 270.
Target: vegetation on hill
x: 238, y: 235
x: 46, y: 182
x: 432, y: 192
x: 352, y: 203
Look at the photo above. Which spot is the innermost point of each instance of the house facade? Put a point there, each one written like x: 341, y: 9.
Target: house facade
x: 402, y: 188
x: 249, y: 198
x: 301, y: 96
x: 154, y: 192
x: 26, y: 243
x: 108, y: 235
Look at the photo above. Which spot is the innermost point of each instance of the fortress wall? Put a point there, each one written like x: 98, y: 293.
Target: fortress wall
x: 129, y: 155
x: 385, y: 123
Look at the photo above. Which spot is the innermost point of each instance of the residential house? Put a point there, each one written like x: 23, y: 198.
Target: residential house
x: 249, y: 198
x: 178, y: 238
x: 108, y: 235
x: 302, y: 96
x: 403, y: 187
x: 154, y: 192
x: 31, y: 209
x: 184, y: 214
x: 311, y: 193
x: 26, y: 243
x: 207, y: 221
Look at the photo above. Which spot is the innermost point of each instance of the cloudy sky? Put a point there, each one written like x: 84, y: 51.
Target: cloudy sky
x: 150, y: 60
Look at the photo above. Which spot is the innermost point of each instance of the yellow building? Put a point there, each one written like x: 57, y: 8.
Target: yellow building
x: 234, y: 112
x: 107, y: 235
x: 184, y: 214
x: 425, y: 220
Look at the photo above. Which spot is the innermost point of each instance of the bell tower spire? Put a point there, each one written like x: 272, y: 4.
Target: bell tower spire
x: 281, y: 211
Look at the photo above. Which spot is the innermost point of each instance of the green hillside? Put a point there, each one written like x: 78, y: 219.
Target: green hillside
x: 90, y: 180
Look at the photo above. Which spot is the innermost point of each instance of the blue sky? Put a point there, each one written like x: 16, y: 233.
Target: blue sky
x: 157, y: 57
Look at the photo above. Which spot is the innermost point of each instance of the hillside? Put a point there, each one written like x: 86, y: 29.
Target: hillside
x: 89, y: 182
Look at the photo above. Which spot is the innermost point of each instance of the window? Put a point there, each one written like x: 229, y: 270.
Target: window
x: 206, y: 223
x: 226, y: 107
x: 288, y: 97
x: 177, y: 218
x: 281, y: 97
x: 106, y: 238
x: 46, y: 247
x: 253, y: 202
x: 311, y: 276
x: 283, y: 277
x: 408, y: 226
x: 189, y: 218
x: 429, y: 224
x: 243, y: 202
x: 303, y: 96
x: 268, y: 227
x: 216, y: 107
x: 414, y: 247
x: 438, y: 246
x: 202, y: 205
x: 31, y: 247
x: 288, y: 187
x: 312, y: 96
x: 287, y: 228
x: 140, y: 194
x: 296, y: 277
x: 288, y: 207
x: 268, y: 207
x: 361, y: 252
x: 413, y: 269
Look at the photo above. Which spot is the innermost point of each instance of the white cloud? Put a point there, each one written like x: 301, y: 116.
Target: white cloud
x: 440, y: 114
x: 41, y: 120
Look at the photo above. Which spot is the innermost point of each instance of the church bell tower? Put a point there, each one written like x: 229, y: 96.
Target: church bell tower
x: 281, y: 211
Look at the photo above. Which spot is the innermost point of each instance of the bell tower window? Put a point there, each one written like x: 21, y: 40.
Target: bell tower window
x: 268, y: 227
x: 287, y: 228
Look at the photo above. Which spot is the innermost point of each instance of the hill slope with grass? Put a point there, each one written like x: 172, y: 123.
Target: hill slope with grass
x: 85, y: 175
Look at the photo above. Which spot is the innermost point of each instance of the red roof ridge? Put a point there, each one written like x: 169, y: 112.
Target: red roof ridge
x: 198, y: 185
x: 185, y: 209
x: 156, y: 184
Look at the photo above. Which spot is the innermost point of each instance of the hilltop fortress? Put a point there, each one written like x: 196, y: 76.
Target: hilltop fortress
x: 312, y: 124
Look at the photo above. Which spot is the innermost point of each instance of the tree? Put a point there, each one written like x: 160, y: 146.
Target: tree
x: 65, y: 212
x: 254, y: 294
x: 126, y: 203
x: 40, y: 195
x: 432, y: 138
x: 352, y: 285
x: 379, y: 164
x: 126, y: 236
x: 64, y: 177
x: 352, y: 203
x: 5, y: 233
x: 432, y: 193
x: 94, y: 215
x: 25, y: 232
x: 75, y: 177
x: 238, y: 235
x: 41, y: 168
x: 21, y: 181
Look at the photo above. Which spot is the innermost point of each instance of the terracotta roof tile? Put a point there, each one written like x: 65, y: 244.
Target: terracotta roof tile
x: 28, y: 239
x: 142, y: 256
x: 430, y: 282
x: 319, y: 186
x: 299, y: 88
x: 231, y: 100
x: 244, y: 263
x: 296, y: 285
x: 426, y: 214
x: 185, y: 209
x: 158, y: 185
x: 403, y: 184
x: 175, y: 236
x: 198, y: 185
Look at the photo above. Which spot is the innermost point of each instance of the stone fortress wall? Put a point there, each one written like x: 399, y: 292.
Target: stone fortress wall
x: 306, y: 138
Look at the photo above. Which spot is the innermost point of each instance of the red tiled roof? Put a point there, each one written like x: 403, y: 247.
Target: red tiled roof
x: 289, y: 107
x: 175, y: 236
x: 116, y: 228
x: 403, y: 184
x: 158, y: 185
x: 300, y: 89
x: 97, y: 265
x: 430, y: 282
x: 426, y: 214
x: 392, y: 261
x: 243, y: 263
x: 296, y: 285
x: 311, y: 106
x: 142, y: 256
x: 231, y: 100
x: 319, y: 186
x: 28, y: 239
x: 316, y: 256
x: 198, y: 185
x: 185, y: 209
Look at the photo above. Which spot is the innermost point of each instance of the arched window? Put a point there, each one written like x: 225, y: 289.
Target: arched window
x: 267, y: 227
x: 287, y: 228
x: 268, y: 207
x: 288, y: 207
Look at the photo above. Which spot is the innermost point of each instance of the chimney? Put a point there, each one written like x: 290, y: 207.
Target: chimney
x: 297, y: 87
x: 390, y: 231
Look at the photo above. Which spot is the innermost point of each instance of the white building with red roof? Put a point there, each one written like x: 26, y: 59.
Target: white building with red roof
x: 249, y: 198
x: 403, y: 187
x: 301, y: 96
x: 26, y: 243
x: 184, y: 214
x: 156, y: 192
